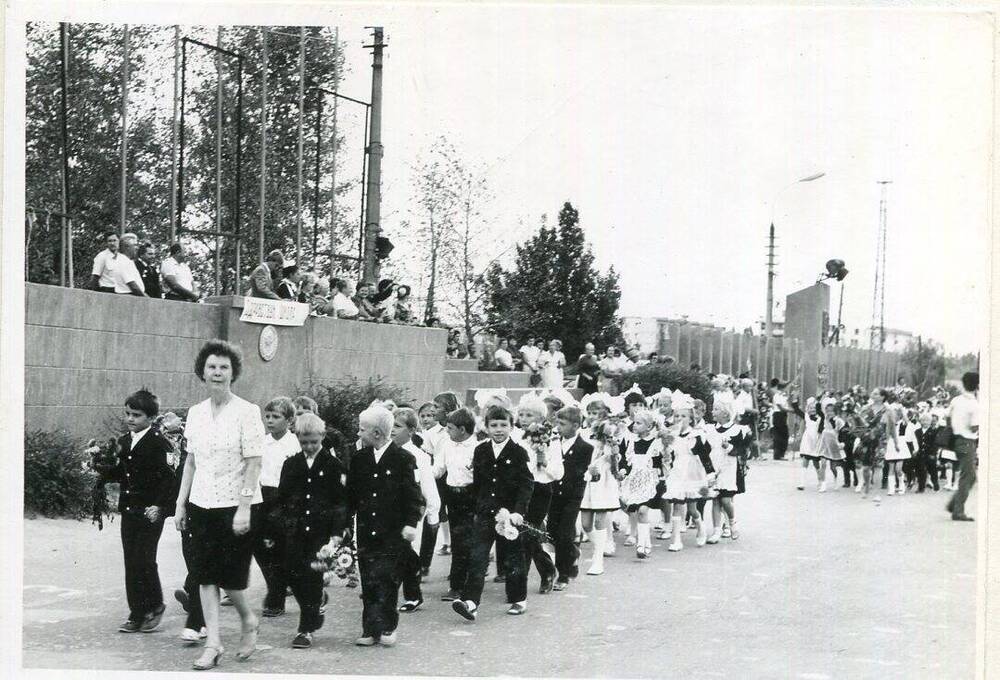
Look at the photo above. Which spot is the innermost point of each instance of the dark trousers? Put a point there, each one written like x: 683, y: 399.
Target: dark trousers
x: 516, y: 584
x: 926, y: 467
x: 195, y: 617
x: 380, y: 580
x: 538, y: 509
x: 965, y: 450
x: 140, y: 539
x: 462, y: 504
x: 409, y: 567
x: 307, y: 587
x: 271, y: 560
x: 779, y: 435
x: 428, y: 538
x: 561, y: 527
x: 850, y: 471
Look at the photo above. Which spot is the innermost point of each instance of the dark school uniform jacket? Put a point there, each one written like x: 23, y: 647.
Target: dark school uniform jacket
x: 311, y: 503
x: 145, y: 478
x: 501, y: 482
x: 575, y: 463
x: 384, y: 496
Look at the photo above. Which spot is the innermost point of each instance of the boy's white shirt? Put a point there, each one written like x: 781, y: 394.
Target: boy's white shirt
x: 275, y: 453
x: 425, y: 477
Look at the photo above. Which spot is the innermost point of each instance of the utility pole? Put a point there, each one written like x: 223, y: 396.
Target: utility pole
x: 298, y: 157
x: 64, y: 147
x: 173, y: 137
x: 372, y: 218
x: 124, y: 140
x: 263, y: 146
x: 769, y: 315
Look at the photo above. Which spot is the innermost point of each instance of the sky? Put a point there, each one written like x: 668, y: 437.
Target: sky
x: 673, y: 132
x: 679, y: 134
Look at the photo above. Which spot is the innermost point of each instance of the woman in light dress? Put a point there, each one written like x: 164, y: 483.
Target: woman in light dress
x: 551, y: 364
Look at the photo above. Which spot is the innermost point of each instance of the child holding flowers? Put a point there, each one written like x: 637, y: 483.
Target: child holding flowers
x: 643, y: 453
x: 600, y: 496
x: 309, y: 510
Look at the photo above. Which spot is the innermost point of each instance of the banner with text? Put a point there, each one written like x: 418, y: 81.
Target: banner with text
x: 276, y: 312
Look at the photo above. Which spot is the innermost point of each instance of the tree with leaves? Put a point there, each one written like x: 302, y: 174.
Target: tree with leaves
x: 923, y: 362
x: 554, y: 290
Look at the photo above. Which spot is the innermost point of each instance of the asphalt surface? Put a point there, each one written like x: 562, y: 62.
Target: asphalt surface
x: 817, y: 586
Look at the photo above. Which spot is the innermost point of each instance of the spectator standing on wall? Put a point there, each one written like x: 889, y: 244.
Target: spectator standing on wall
x: 178, y: 282
x: 529, y: 355
x: 614, y: 367
x: 149, y: 271
x: 262, y: 278
x: 288, y: 289
x: 126, y: 275
x: 105, y: 263
x: 588, y: 370
x: 503, y: 358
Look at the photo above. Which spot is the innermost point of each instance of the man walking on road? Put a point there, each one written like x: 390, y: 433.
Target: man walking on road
x: 964, y: 414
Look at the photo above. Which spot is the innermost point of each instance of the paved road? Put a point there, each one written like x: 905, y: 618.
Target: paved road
x: 818, y: 586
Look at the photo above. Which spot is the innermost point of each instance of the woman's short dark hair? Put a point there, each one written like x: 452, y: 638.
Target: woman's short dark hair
x: 336, y: 283
x: 634, y: 398
x: 219, y: 348
x: 970, y: 381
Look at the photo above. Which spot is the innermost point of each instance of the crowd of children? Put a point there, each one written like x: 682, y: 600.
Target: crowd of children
x: 519, y: 484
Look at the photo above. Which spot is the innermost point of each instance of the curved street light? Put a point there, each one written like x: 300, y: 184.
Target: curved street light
x: 769, y: 316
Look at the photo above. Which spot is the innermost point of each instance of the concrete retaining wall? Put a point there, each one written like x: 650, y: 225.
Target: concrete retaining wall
x: 86, y: 351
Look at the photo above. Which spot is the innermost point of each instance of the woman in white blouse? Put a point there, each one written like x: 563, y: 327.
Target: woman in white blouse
x: 220, y: 496
x: 551, y: 364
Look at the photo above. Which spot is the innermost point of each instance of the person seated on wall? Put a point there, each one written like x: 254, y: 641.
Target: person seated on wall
x: 262, y: 278
x: 319, y: 301
x: 364, y: 300
x: 341, y: 306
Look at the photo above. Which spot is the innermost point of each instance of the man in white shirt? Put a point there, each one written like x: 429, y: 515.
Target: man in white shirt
x: 178, y: 282
x: 453, y: 462
x: 125, y: 275
x: 529, y: 355
x: 964, y: 414
x: 779, y: 420
x: 504, y: 359
x: 105, y: 263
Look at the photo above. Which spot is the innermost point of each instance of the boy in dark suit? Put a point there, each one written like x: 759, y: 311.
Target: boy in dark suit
x: 309, y: 510
x: 382, y: 492
x: 501, y: 478
x: 567, y: 493
x: 927, y: 454
x: 146, y: 486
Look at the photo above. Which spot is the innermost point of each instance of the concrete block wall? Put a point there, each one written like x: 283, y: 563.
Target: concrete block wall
x: 86, y: 351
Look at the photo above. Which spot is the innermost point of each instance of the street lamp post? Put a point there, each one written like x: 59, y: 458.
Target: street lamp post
x: 769, y: 315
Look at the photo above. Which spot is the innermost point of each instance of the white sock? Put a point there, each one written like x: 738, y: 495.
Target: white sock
x: 598, y: 539
x: 644, y: 539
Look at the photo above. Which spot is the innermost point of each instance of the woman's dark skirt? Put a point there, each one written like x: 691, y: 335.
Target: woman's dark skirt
x: 221, y: 558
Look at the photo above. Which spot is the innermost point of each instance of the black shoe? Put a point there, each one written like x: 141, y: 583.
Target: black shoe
x: 962, y: 518
x: 152, y: 619
x: 546, y: 586
x: 302, y: 641
x: 451, y: 596
x: 130, y: 626
x: 499, y: 578
x: 463, y: 610
x: 272, y: 612
x: 181, y: 596
x: 411, y: 605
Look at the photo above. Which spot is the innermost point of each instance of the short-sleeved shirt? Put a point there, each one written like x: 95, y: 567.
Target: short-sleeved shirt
x: 179, y: 270
x: 504, y: 358
x: 105, y: 265
x: 342, y: 303
x: 453, y: 460
x: 275, y: 453
x: 965, y: 416
x: 221, y: 447
x: 125, y: 273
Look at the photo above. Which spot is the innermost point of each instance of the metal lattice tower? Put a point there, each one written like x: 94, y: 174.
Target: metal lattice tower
x: 877, y: 340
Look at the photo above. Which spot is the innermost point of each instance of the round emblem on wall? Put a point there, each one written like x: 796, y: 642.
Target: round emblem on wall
x: 267, y: 345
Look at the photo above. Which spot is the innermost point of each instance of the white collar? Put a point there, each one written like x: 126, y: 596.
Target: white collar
x: 567, y: 444
x: 497, y: 448
x: 380, y: 451
x: 136, y: 436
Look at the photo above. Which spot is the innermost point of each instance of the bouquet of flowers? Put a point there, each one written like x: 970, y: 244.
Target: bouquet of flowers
x: 172, y: 428
x: 335, y: 559
x: 606, y: 435
x: 538, y: 436
x: 509, y: 531
x: 102, y: 460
